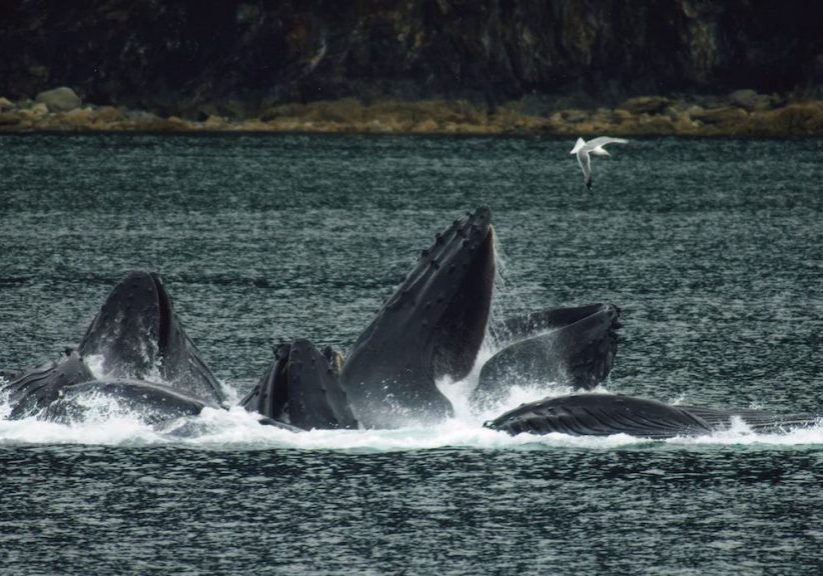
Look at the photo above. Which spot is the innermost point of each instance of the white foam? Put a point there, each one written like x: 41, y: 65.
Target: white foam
x: 94, y: 362
x: 5, y: 407
x: 108, y: 424
x: 741, y: 434
x: 118, y: 430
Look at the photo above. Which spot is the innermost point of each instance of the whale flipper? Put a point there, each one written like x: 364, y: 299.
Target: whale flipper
x: 302, y: 387
x: 573, y: 346
x: 432, y: 326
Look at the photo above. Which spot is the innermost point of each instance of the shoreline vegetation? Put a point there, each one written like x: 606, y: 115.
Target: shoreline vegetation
x: 743, y: 113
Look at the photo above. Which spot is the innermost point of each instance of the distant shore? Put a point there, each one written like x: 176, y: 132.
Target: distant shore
x: 743, y: 113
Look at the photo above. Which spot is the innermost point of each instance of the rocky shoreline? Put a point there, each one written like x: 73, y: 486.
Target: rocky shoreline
x: 742, y: 113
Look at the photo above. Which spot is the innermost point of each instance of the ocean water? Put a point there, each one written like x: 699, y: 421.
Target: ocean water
x: 713, y: 249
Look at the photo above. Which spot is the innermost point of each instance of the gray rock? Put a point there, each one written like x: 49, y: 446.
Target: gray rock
x: 9, y: 119
x: 719, y: 116
x: 141, y: 116
x: 38, y: 110
x: 646, y: 104
x: 749, y: 100
x: 60, y: 99
x: 574, y: 115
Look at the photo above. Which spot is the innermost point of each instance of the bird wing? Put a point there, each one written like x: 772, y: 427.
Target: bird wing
x: 578, y: 145
x: 602, y: 141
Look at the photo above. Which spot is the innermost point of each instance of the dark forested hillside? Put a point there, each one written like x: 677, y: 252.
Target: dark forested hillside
x: 175, y: 57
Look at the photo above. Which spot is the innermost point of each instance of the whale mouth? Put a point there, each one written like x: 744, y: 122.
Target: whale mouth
x: 446, y: 299
x: 462, y: 325
x: 164, y: 314
x: 519, y: 328
x: 432, y: 326
x: 132, y: 331
x: 301, y: 388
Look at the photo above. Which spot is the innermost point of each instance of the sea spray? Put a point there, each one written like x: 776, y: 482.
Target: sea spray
x: 109, y: 423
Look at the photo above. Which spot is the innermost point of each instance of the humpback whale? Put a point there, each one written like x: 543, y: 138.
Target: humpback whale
x: 432, y: 326
x: 146, y: 358
x: 301, y: 387
x: 137, y: 333
x: 609, y: 414
x: 573, y: 346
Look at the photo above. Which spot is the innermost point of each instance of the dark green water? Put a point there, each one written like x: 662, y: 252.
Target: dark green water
x: 712, y: 248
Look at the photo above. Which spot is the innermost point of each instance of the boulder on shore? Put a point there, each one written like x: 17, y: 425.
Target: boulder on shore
x: 62, y: 99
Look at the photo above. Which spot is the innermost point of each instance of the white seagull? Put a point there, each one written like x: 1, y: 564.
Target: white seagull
x: 583, y: 149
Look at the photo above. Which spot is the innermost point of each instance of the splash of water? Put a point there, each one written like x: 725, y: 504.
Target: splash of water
x: 111, y: 424
x: 504, y: 299
x: 5, y: 407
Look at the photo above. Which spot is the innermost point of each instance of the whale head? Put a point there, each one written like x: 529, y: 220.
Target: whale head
x: 138, y: 336
x: 431, y: 326
x: 301, y: 388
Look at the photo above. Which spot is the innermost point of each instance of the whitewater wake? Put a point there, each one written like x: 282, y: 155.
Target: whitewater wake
x: 237, y: 429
